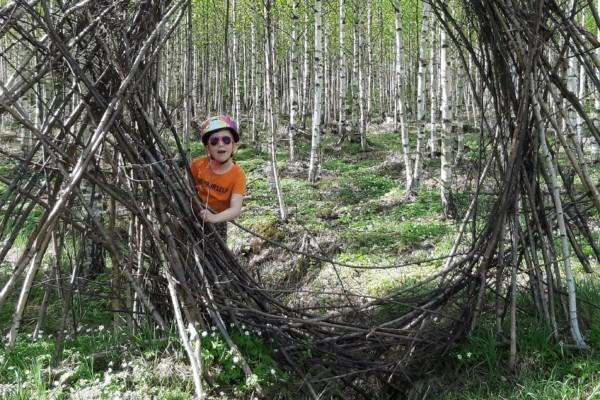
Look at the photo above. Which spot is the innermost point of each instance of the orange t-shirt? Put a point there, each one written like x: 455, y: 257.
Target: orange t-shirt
x: 214, y: 189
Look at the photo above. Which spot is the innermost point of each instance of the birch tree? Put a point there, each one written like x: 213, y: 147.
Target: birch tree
x: 446, y: 107
x: 188, y: 81
x: 597, y: 90
x: 305, y: 71
x: 315, y: 147
x: 293, y: 82
x: 433, y: 88
x: 414, y: 187
x: 399, y: 110
x: 343, y: 106
x: 256, y: 79
x: 235, y: 70
x: 362, y: 81
x: 564, y: 245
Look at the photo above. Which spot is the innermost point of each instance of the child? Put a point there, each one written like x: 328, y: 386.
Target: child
x: 220, y: 182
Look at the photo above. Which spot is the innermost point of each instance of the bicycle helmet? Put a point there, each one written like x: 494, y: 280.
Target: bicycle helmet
x: 218, y: 123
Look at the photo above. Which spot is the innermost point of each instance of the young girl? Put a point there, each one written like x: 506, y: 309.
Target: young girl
x: 220, y: 182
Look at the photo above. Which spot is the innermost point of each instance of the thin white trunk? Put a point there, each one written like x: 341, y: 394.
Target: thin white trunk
x: 446, y: 160
x: 326, y: 81
x: 362, y: 88
x: 244, y: 65
x: 581, y: 75
x: 564, y: 241
x: 188, y: 84
x: 315, y: 148
x: 305, y: 56
x: 234, y: 60
x: 572, y: 85
x: 399, y: 108
x: 293, y: 82
x: 191, y: 342
x: 271, y: 122
x: 414, y: 188
x: 255, y: 83
x: 597, y: 93
x: 355, y: 112
x: 433, y: 89
x: 40, y: 245
x: 343, y: 105
x: 369, y: 66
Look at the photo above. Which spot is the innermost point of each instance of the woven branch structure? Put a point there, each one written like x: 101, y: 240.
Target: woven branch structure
x: 83, y: 88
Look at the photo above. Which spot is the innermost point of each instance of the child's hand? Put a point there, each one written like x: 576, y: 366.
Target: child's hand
x: 207, y: 216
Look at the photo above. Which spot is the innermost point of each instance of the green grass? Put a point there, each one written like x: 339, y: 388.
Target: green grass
x: 357, y: 208
x: 116, y: 363
x: 545, y: 369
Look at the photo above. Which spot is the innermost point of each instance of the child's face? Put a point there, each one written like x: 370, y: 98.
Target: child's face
x: 221, y: 145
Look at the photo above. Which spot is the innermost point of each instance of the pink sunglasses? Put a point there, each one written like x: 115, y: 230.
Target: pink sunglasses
x: 214, y: 140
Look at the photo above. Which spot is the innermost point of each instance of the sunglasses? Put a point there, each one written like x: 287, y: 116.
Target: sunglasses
x: 214, y: 140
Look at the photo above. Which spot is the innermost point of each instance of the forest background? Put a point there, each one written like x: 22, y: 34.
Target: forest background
x: 422, y: 176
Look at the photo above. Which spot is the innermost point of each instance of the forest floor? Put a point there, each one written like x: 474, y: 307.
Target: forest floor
x: 356, y: 213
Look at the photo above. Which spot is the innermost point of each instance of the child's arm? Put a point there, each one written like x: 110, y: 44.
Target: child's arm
x: 234, y: 210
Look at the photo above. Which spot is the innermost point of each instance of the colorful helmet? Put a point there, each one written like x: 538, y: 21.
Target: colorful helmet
x: 217, y: 123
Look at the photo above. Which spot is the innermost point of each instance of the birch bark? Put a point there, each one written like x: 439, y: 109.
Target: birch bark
x: 446, y: 160
x: 271, y: 121
x: 293, y: 82
x: 342, y: 80
x: 315, y: 148
x: 399, y: 94
x: 564, y: 244
x: 414, y: 187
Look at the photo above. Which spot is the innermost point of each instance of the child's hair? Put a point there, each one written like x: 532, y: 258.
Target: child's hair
x: 217, y: 123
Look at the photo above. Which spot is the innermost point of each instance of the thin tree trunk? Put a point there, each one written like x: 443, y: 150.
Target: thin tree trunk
x: 269, y: 50
x: 343, y: 105
x: 293, y: 82
x: 566, y: 257
x: 255, y: 80
x: 315, y: 148
x: 193, y: 351
x: 433, y: 89
x: 369, y: 67
x: 512, y: 361
x: 188, y: 82
x: 235, y: 64
x: 305, y: 74
x: 446, y: 160
x: 414, y: 187
x: 362, y: 88
x: 399, y: 104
